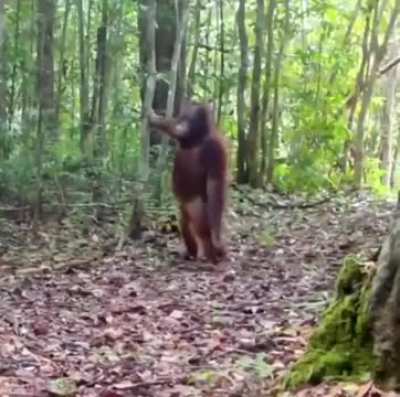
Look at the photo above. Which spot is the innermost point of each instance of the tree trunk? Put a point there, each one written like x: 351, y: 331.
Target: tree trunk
x: 222, y: 59
x: 149, y: 40
x: 364, y: 65
x: 242, y: 174
x: 84, y: 83
x: 191, y: 77
x: 166, y: 33
x: 385, y: 309
x: 253, y: 154
x: 28, y: 88
x: 165, y: 39
x: 395, y: 158
x: 14, y: 71
x: 377, y: 52
x: 180, y: 92
x: 3, y: 77
x: 62, y: 64
x: 173, y: 80
x: 388, y: 118
x: 346, y: 41
x: 45, y: 89
x: 88, y: 41
x: 2, y: 23
x: 99, y: 98
x: 181, y: 25
x: 267, y: 88
x: 151, y: 75
x: 117, y: 43
x: 276, y: 84
x: 207, y: 61
x: 46, y: 17
x: 343, y: 162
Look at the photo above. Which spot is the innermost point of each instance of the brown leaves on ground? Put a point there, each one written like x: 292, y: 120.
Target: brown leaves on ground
x: 142, y: 322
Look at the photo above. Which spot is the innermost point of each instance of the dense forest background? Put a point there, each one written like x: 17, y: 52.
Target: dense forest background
x: 306, y: 91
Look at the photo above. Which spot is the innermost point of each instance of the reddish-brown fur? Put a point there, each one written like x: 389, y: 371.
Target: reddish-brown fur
x: 199, y: 178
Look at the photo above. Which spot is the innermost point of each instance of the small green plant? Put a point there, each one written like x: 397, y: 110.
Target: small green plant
x: 267, y: 238
x: 258, y: 365
x: 374, y: 176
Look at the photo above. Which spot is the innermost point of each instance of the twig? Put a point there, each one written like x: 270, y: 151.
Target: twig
x: 140, y: 385
x: 211, y: 48
x: 241, y: 352
x: 12, y: 209
x: 276, y: 205
x: 75, y: 205
x: 305, y: 205
x: 389, y: 65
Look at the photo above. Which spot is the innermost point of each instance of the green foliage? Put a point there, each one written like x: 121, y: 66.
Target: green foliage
x: 317, y: 75
x: 373, y: 177
x: 17, y: 177
x: 315, y: 134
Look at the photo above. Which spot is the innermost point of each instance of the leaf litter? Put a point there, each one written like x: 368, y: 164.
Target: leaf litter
x: 76, y: 320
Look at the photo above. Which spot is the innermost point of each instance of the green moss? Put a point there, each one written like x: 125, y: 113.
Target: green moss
x: 317, y: 364
x: 341, y: 347
x: 340, y: 363
x: 350, y: 276
x: 363, y: 324
x: 337, y: 325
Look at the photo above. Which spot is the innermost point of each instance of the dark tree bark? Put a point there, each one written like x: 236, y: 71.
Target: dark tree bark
x: 28, y: 85
x: 165, y: 40
x: 62, y: 62
x: 395, y: 158
x: 45, y: 89
x: 148, y: 18
x: 2, y: 22
x: 3, y: 77
x: 222, y: 59
x: 273, y: 141
x: 191, y: 77
x: 242, y: 174
x: 385, y: 309
x: 14, y: 71
x: 45, y: 55
x: 386, y: 130
x: 84, y: 83
x: 206, y: 40
x: 99, y: 98
x: 267, y: 88
x: 254, y: 130
x: 374, y: 53
x: 166, y: 33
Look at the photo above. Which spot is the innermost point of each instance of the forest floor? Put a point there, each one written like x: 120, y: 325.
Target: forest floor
x: 79, y: 319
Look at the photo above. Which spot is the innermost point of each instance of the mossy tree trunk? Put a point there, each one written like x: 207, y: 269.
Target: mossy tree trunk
x: 385, y: 309
x: 359, y: 335
x: 341, y: 347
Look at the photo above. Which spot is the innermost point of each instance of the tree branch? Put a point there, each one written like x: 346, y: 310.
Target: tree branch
x: 394, y: 62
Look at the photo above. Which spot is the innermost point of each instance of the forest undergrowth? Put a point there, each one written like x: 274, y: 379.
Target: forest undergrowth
x: 80, y: 318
